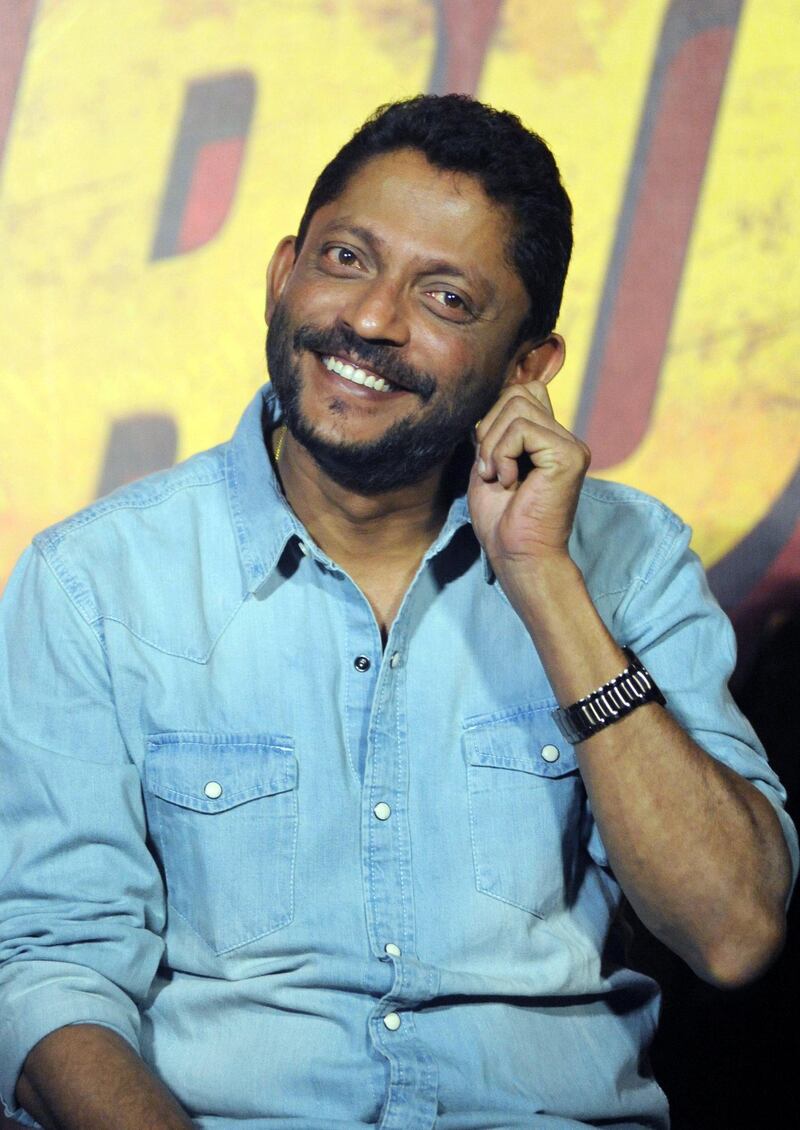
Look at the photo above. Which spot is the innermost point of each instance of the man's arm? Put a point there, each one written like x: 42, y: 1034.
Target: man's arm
x: 697, y: 849
x: 86, y: 1077
x: 81, y: 900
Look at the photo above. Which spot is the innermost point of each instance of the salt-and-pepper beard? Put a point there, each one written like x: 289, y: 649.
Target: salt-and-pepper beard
x: 408, y: 450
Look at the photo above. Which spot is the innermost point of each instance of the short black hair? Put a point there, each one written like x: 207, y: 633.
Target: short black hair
x: 513, y: 164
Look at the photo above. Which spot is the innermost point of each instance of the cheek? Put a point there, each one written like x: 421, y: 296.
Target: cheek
x: 307, y: 300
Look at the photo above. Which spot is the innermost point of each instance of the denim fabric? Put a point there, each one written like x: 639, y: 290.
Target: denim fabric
x: 222, y: 799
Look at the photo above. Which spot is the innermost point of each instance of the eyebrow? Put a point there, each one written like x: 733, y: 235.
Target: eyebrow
x: 436, y: 267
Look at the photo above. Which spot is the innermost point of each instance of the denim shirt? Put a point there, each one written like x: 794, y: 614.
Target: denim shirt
x: 317, y: 882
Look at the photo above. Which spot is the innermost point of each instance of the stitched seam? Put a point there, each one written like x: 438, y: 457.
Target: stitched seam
x: 199, y: 659
x: 56, y: 535
x: 65, y: 581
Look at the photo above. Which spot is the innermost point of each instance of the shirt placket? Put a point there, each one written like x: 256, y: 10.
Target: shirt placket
x: 411, y: 1101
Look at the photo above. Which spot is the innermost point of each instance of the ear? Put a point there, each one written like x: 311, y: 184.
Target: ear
x: 278, y: 271
x: 540, y: 362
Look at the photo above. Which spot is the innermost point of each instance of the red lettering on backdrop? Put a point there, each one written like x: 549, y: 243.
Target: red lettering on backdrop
x: 206, y: 163
x: 463, y: 34
x: 211, y: 192
x: 16, y: 20
x: 654, y: 227
x: 200, y: 190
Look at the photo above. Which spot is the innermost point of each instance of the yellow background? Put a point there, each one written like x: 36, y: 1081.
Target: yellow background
x: 91, y: 330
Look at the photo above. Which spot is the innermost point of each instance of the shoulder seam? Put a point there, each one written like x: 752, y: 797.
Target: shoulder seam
x: 80, y: 599
x: 58, y: 533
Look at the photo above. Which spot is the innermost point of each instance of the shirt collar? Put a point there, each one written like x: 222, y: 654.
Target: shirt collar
x: 263, y: 521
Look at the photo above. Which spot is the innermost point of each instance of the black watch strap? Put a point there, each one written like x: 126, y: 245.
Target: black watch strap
x: 610, y: 703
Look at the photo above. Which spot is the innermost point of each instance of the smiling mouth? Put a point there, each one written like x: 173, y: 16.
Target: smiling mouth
x: 357, y: 375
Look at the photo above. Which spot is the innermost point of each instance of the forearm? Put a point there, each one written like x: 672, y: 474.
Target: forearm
x: 86, y: 1077
x: 696, y: 848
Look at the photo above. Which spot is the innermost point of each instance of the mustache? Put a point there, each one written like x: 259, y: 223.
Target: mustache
x: 380, y: 358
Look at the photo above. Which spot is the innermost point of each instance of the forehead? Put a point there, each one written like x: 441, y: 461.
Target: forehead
x: 429, y: 213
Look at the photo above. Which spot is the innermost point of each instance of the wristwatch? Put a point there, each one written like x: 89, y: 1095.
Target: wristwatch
x: 610, y: 703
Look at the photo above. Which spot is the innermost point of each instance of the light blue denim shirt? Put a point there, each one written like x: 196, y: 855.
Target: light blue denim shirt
x: 316, y: 882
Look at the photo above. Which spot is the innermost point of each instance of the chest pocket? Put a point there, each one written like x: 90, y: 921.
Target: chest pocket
x: 222, y: 812
x: 527, y: 809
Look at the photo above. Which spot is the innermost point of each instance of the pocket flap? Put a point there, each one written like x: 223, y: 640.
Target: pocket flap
x: 526, y: 739
x: 212, y: 772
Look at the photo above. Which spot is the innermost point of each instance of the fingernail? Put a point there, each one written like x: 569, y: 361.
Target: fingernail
x: 481, y: 467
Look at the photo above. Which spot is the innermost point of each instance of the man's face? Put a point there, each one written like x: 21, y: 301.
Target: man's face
x: 402, y: 282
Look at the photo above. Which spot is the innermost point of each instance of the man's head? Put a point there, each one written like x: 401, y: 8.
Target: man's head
x: 514, y: 166
x: 431, y: 261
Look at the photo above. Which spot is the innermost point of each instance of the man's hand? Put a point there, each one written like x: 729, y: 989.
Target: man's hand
x: 524, y: 521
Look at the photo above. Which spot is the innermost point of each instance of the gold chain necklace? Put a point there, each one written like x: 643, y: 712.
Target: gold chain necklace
x: 279, y: 443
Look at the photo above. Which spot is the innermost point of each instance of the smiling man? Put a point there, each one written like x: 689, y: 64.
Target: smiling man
x: 331, y: 757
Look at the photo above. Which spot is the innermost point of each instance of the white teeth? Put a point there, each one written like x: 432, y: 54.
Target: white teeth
x: 356, y: 375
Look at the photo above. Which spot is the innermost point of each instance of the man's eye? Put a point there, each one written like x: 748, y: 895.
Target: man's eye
x: 449, y: 299
x: 342, y: 256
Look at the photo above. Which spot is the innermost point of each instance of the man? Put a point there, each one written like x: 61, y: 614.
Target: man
x: 296, y: 832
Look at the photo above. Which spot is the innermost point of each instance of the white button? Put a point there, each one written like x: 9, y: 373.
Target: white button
x: 392, y: 1021
x: 382, y: 811
x: 213, y: 790
x: 551, y: 752
x: 392, y: 949
x: 301, y: 545
x: 395, y: 659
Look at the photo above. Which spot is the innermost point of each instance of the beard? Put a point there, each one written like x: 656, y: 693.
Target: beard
x: 409, y: 449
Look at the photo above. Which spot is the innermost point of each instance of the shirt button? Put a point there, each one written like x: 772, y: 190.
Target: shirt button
x: 213, y: 790
x: 395, y: 659
x: 392, y: 949
x: 301, y: 545
x: 382, y: 811
x: 551, y: 752
x: 392, y: 1021
x: 361, y: 663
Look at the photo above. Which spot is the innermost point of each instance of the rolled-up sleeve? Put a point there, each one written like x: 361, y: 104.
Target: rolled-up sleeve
x: 81, y: 899
x: 674, y: 624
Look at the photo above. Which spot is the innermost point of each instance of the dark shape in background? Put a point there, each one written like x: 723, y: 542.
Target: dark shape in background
x: 200, y: 190
x: 756, y: 582
x: 654, y: 227
x: 206, y: 162
x: 137, y: 445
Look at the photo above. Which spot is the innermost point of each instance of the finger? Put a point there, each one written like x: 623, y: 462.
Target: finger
x: 539, y: 391
x: 535, y: 392
x: 524, y: 437
x: 549, y: 451
x: 515, y: 408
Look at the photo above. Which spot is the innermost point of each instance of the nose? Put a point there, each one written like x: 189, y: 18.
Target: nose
x: 377, y: 311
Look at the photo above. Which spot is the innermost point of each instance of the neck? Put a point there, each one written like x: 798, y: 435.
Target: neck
x: 348, y: 526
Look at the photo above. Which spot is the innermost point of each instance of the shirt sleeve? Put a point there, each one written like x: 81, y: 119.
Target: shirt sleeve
x: 81, y: 899
x: 674, y: 624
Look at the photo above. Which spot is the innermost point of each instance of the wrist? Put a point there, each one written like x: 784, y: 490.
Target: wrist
x: 541, y: 588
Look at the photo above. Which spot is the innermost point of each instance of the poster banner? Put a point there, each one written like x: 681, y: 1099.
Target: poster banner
x: 152, y: 154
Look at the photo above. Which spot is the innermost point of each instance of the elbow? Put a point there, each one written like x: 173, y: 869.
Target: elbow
x: 741, y: 957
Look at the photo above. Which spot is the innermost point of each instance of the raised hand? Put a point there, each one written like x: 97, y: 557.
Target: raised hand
x: 522, y: 519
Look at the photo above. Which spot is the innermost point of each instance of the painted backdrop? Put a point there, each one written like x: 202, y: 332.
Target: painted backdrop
x: 152, y: 154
